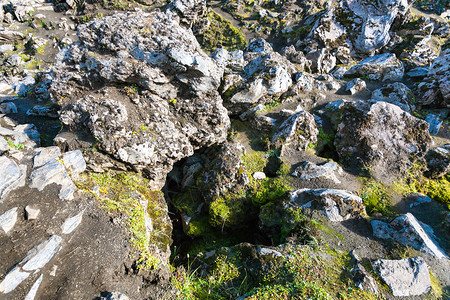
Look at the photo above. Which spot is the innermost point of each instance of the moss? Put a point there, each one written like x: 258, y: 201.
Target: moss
x: 377, y: 198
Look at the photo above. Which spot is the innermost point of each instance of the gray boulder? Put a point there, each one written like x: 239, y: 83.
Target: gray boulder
x: 435, y: 89
x: 355, y: 86
x: 434, y: 122
x: 44, y: 155
x: 380, y: 136
x: 12, y: 176
x: 308, y: 171
x: 407, y: 230
x: 74, y: 162
x: 379, y: 67
x: 361, y: 276
x: 405, y: 277
x: 438, y: 161
x: 322, y: 61
x: 157, y: 98
x: 396, y: 93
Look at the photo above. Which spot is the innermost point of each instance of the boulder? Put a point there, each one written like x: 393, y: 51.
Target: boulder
x: 321, y: 61
x: 434, y: 123
x: 44, y: 155
x: 405, y: 277
x: 74, y: 162
x: 299, y: 130
x: 379, y: 67
x: 31, y: 212
x: 308, y: 171
x: 362, y: 278
x: 155, y: 99
x: 191, y: 12
x: 12, y: 176
x: 381, y: 137
x: 435, y: 89
x: 438, y: 161
x: 396, y: 93
x: 407, y: 230
x: 8, y: 220
x: 355, y: 86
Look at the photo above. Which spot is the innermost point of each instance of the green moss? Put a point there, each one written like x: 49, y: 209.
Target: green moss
x: 377, y: 198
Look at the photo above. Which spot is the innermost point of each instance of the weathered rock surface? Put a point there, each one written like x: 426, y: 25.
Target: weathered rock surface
x: 356, y: 85
x: 396, y: 93
x: 379, y: 67
x: 381, y: 136
x: 405, y: 277
x: 407, y: 230
x: 12, y: 176
x: 155, y: 101
x: 308, y: 171
x: 361, y: 276
x: 438, y: 161
x: 8, y: 220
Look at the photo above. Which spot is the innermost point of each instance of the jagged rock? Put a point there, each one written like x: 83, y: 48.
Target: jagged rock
x: 405, y: 277
x: 355, y: 86
x: 8, y: 220
x: 299, y: 130
x: 191, y: 12
x: 381, y: 136
x: 31, y: 213
x: 396, y: 93
x: 251, y: 112
x: 434, y: 123
x: 44, y: 155
x: 262, y: 123
x: 53, y: 172
x: 379, y: 67
x: 362, y: 278
x: 417, y: 199
x: 422, y: 54
x: 32, y: 292
x: 169, y: 106
x: 231, y: 61
x: 296, y: 57
x: 308, y: 170
x: 8, y: 108
x: 74, y: 161
x: 336, y: 205
x: 407, y: 230
x: 72, y: 223
x: 12, y: 176
x: 25, y: 136
x: 438, y: 161
x: 435, y: 89
x: 321, y: 61
x: 43, y: 111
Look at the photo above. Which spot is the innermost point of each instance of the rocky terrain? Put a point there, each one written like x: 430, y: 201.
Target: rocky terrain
x: 238, y: 149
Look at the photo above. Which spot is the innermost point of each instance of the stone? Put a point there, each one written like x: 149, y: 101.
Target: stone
x: 299, y: 130
x: 355, y: 86
x: 259, y: 175
x: 31, y: 213
x: 12, y: 279
x: 379, y: 67
x: 336, y: 205
x: 434, y: 123
x: 32, y: 292
x: 268, y: 251
x: 435, y: 89
x: 322, y: 61
x: 8, y: 108
x: 74, y: 162
x: 114, y: 296
x: 381, y: 136
x: 12, y: 176
x: 44, y: 155
x: 405, y: 277
x: 8, y: 220
x: 43, y: 111
x: 72, y: 223
x: 418, y: 199
x: 396, y: 93
x: 362, y: 278
x: 308, y: 171
x: 438, y: 161
x: 41, y: 254
x: 419, y: 72
x: 53, y: 172
x: 251, y: 112
x: 407, y: 230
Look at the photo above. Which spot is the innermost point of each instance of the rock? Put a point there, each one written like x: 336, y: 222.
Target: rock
x: 396, y: 93
x: 114, y: 296
x: 53, y: 172
x: 31, y: 213
x: 362, y: 278
x: 74, y: 162
x: 336, y: 205
x: 379, y: 67
x: 12, y: 279
x: 23, y: 136
x: 32, y: 293
x: 231, y: 61
x: 191, y: 11
x: 381, y: 136
x: 355, y: 86
x: 422, y: 54
x: 438, y: 161
x: 434, y: 123
x: 321, y: 61
x: 299, y: 130
x: 435, y: 89
x: 41, y: 254
x: 296, y: 57
x: 8, y: 220
x: 8, y: 108
x: 43, y: 111
x: 405, y: 277
x: 21, y: 87
x: 157, y: 101
x: 259, y: 175
x: 12, y: 176
x: 419, y: 72
x: 268, y: 251
x: 407, y: 230
x: 308, y: 170
x: 251, y: 112
x: 72, y: 223
x: 44, y: 155
x: 418, y: 199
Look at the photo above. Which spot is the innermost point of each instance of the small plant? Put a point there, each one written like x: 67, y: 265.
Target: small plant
x: 14, y: 146
x: 377, y: 198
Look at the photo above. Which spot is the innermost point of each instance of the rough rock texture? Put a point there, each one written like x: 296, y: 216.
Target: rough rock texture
x: 191, y: 12
x: 361, y: 276
x: 407, y: 230
x: 142, y: 87
x: 396, y: 93
x: 435, y: 89
x: 308, y: 170
x: 405, y: 277
x: 379, y: 67
x: 438, y: 161
x: 380, y: 136
x: 355, y: 86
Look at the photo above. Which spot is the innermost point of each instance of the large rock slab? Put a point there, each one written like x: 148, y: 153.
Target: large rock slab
x: 396, y: 93
x: 308, y: 171
x: 12, y: 176
x: 379, y: 67
x: 405, y: 277
x: 8, y: 220
x: 155, y: 99
x: 407, y: 230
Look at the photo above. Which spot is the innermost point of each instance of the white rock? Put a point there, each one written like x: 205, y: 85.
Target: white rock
x: 72, y: 223
x: 32, y: 293
x: 379, y: 67
x: 41, y: 254
x: 12, y: 176
x: 356, y: 85
x: 44, y: 155
x: 259, y: 175
x: 12, y: 280
x: 74, y: 162
x: 8, y: 220
x: 32, y: 213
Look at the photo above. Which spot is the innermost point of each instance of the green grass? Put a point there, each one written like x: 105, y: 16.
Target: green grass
x: 377, y: 198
